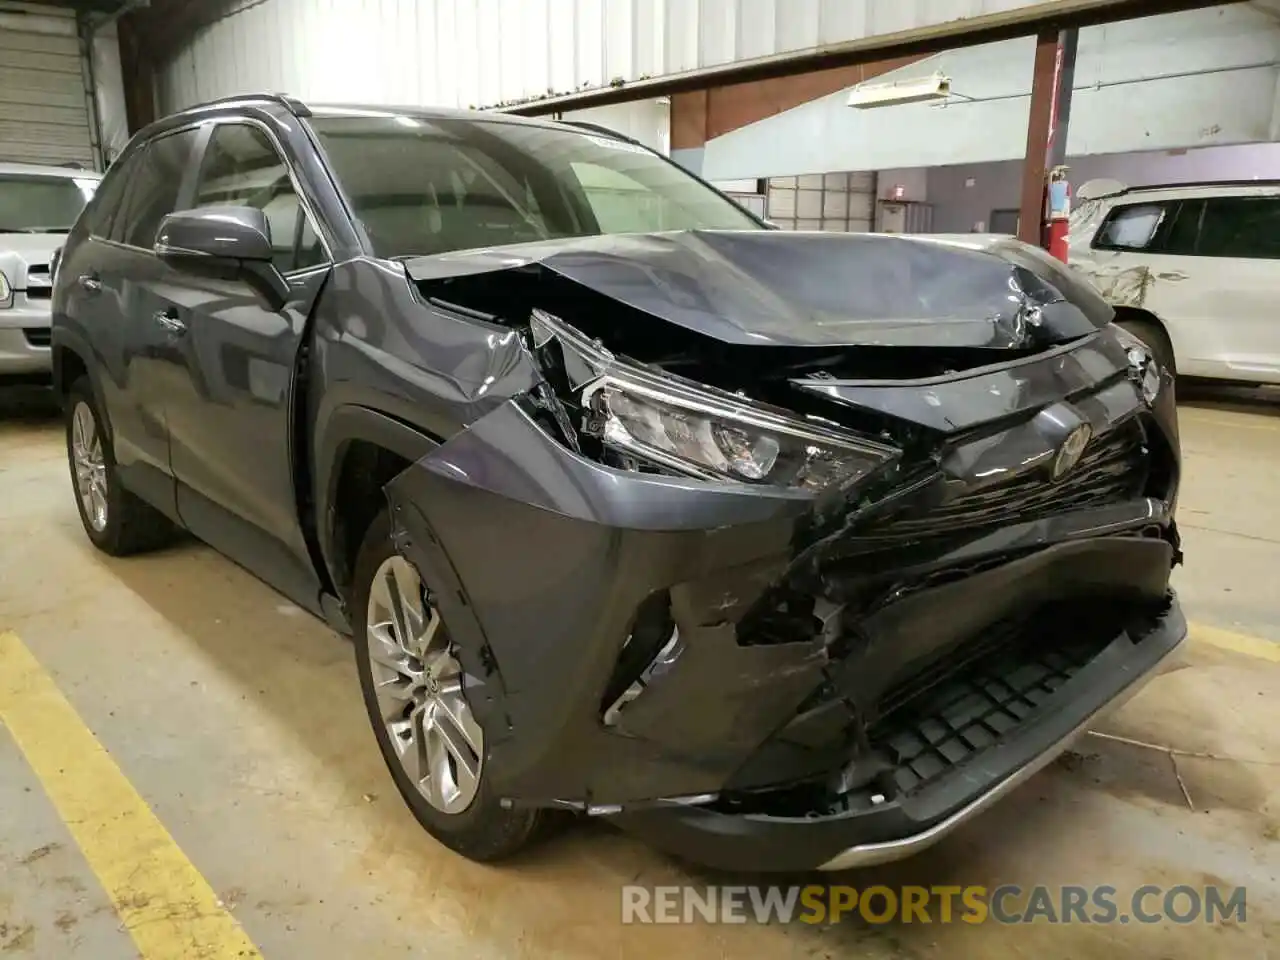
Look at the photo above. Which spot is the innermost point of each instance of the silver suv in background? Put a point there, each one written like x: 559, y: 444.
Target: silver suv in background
x: 38, y: 206
x: 1192, y: 269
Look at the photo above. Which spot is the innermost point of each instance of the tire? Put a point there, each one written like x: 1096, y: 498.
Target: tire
x: 1156, y: 339
x: 482, y: 830
x: 116, y: 521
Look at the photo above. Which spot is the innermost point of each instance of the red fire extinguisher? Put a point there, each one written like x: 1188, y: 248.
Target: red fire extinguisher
x: 1058, y: 213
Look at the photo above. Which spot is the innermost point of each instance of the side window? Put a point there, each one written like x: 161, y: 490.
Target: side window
x: 154, y: 194
x: 1184, y: 229
x: 1244, y: 227
x: 1130, y: 227
x: 110, y: 194
x: 242, y: 168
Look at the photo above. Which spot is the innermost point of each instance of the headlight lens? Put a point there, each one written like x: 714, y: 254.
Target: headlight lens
x: 6, y: 292
x: 718, y: 438
x: 1144, y: 370
x: 700, y: 431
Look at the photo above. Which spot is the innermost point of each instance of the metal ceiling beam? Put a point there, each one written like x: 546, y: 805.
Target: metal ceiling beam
x: 989, y: 28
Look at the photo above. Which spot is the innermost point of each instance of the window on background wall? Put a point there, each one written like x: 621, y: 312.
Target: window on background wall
x: 1004, y: 222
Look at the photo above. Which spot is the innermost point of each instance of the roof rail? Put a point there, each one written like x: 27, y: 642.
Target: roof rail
x: 601, y: 128
x: 1260, y: 182
x: 292, y: 104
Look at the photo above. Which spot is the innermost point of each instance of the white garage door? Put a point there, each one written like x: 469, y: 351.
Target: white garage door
x: 44, y: 115
x: 824, y: 201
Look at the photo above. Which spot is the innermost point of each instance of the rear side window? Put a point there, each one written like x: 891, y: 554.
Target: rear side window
x: 1130, y: 227
x: 1244, y: 227
x: 242, y: 168
x: 155, y: 188
x: 106, y: 202
x: 1184, y: 230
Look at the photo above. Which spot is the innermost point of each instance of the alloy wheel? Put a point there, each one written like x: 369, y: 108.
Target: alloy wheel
x: 90, y: 466
x: 418, y: 683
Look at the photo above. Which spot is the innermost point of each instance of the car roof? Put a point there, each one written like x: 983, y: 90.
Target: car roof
x: 425, y: 113
x: 41, y: 170
x: 278, y: 101
x: 1116, y: 192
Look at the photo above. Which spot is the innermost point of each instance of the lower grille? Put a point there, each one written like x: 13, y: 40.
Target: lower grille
x: 977, y: 696
x: 38, y: 336
x: 1114, y: 467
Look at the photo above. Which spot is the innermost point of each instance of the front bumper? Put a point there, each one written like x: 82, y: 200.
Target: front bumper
x: 24, y: 337
x: 769, y: 722
x: 896, y: 830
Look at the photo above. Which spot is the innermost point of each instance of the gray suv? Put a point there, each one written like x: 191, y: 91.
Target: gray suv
x: 782, y: 550
x: 38, y: 206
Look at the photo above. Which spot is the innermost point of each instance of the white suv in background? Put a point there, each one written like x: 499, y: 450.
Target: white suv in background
x: 38, y: 206
x: 1192, y: 269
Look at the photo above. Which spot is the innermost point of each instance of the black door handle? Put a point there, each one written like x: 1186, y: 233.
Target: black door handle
x: 170, y: 320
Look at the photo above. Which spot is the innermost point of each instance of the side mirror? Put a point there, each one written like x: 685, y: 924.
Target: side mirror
x: 232, y: 243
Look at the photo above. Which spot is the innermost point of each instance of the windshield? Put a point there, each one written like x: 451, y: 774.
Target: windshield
x: 31, y: 203
x: 423, y: 187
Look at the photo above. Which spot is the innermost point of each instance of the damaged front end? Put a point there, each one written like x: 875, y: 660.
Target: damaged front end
x: 784, y: 636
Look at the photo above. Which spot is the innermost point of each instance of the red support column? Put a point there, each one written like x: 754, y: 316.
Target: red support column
x: 1031, y: 209
x: 1047, y: 125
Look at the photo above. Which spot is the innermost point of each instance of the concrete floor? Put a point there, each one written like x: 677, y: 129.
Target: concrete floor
x: 238, y: 719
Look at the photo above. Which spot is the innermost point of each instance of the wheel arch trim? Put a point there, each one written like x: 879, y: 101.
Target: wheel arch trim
x: 345, y: 425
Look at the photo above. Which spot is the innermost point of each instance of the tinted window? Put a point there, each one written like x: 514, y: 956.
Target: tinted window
x: 242, y: 168
x: 1130, y: 227
x: 430, y: 186
x: 1247, y: 227
x: 42, y: 204
x: 1185, y: 228
x: 110, y: 194
x: 154, y: 193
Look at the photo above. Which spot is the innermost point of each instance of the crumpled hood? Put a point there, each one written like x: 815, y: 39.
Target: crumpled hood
x: 18, y: 251
x: 773, y: 287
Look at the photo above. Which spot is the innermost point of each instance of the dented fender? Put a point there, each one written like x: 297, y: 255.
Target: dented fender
x: 540, y: 560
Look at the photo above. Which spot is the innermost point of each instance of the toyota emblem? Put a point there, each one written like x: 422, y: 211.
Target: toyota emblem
x: 1071, y: 451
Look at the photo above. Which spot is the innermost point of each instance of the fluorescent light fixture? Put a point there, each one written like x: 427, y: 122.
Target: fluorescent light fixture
x: 866, y: 95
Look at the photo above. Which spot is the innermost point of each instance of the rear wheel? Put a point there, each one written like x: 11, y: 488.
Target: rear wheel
x: 413, y: 691
x: 116, y: 521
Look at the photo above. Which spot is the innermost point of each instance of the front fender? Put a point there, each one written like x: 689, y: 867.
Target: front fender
x: 540, y: 560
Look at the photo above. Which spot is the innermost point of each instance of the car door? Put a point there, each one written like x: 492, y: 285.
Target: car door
x: 1219, y: 287
x: 230, y: 413
x: 113, y: 299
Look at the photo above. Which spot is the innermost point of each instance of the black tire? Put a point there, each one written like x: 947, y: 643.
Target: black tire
x: 132, y: 525
x: 484, y: 831
x: 1157, y: 341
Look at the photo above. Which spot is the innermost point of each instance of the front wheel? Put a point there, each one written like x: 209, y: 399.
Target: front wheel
x: 414, y: 694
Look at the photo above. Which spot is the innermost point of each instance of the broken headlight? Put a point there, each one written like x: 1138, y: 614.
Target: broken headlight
x: 688, y: 428
x: 717, y: 437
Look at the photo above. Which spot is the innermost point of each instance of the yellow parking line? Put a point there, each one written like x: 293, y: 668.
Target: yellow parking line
x: 168, y: 908
x: 1236, y: 642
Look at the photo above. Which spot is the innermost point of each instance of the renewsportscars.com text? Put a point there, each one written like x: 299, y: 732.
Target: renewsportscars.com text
x: 1007, y: 904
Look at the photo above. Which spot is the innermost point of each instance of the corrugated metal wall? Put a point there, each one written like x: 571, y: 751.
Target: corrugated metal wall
x: 1195, y: 78
x: 482, y: 52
